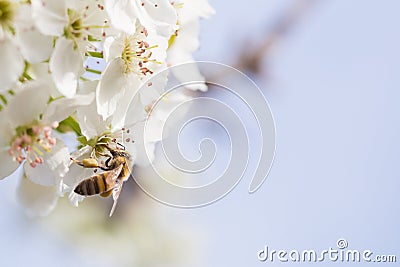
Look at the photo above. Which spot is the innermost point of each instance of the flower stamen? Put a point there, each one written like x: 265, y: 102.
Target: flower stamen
x: 31, y: 142
x: 137, y: 54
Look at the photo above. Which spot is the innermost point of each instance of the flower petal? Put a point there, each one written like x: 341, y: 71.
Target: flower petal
x: 110, y: 88
x: 7, y: 164
x: 28, y: 103
x: 74, y: 198
x: 76, y: 174
x: 35, y: 47
x: 142, y: 150
x: 11, y: 64
x: 187, y: 40
x: 143, y: 99
x: 91, y: 123
x: 193, y: 10
x: 41, y: 71
x: 189, y: 73
x: 60, y: 109
x: 156, y: 14
x: 122, y: 17
x: 6, y: 131
x: 50, y: 16
x: 118, y: 119
x: 113, y: 48
x: 152, y: 14
x: 181, y: 51
x: 54, y: 167
x: 66, y: 65
x: 36, y: 199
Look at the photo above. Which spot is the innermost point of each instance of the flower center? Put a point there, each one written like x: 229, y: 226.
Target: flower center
x: 137, y: 54
x: 85, y: 25
x: 30, y: 143
x: 6, y: 14
x: 74, y: 29
x: 102, y: 144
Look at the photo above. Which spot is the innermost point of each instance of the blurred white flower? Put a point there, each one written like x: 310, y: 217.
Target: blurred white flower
x: 36, y: 199
x: 185, y: 40
x: 19, y: 40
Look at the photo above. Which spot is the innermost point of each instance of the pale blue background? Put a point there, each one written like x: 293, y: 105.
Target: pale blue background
x: 333, y: 85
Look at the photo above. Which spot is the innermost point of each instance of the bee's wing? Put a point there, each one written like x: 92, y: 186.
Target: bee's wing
x: 113, y: 175
x: 116, y: 192
x: 118, y: 185
x: 129, y: 164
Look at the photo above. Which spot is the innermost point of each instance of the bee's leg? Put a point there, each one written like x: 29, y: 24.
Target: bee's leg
x: 78, y: 162
x: 94, y: 166
x: 104, y: 168
x: 107, y: 163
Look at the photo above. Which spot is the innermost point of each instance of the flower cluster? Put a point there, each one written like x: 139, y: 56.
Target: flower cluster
x: 75, y: 67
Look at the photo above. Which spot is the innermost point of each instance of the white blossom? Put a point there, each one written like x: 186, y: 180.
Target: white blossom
x: 19, y: 40
x: 94, y: 68
x: 131, y: 60
x: 76, y: 24
x: 185, y: 40
x: 96, y: 132
x: 157, y: 15
x: 27, y: 123
x: 11, y: 64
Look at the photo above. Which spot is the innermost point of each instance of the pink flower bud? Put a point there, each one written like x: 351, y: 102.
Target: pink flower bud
x: 39, y: 160
x: 47, y: 133
x: 20, y: 159
x: 52, y: 141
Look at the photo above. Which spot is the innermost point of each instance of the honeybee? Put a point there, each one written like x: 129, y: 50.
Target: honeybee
x: 116, y: 171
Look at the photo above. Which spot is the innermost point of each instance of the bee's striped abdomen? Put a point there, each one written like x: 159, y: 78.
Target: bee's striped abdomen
x: 92, y: 186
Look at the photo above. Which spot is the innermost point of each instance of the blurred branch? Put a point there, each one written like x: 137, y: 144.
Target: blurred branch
x: 251, y: 59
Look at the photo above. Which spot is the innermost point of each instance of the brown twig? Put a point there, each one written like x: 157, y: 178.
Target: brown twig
x: 252, y: 62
